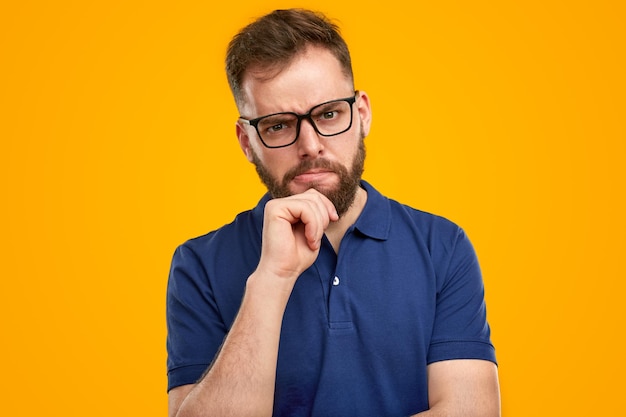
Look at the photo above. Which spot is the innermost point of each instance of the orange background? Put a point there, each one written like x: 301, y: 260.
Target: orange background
x: 117, y: 144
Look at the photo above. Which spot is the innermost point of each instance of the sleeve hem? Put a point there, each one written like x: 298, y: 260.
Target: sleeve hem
x: 441, y: 351
x: 184, y: 375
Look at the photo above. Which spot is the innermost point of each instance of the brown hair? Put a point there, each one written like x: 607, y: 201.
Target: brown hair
x: 273, y: 40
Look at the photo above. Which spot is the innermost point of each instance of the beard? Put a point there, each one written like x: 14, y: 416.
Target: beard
x: 342, y: 195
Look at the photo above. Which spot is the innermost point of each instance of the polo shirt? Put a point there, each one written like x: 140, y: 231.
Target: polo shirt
x: 360, y: 327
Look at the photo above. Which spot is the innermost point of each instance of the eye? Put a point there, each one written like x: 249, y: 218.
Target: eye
x: 276, y: 125
x: 327, y: 115
x: 276, y: 128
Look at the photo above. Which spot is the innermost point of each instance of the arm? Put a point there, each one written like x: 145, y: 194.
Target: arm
x: 462, y: 375
x: 241, y: 379
x: 464, y: 388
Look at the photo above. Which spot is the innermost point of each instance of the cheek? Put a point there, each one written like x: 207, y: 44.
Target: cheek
x: 348, y: 152
x: 275, y: 161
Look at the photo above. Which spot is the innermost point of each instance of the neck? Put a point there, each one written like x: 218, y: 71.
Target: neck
x: 337, y: 230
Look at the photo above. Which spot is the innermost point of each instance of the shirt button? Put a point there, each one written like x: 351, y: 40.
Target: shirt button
x: 336, y: 281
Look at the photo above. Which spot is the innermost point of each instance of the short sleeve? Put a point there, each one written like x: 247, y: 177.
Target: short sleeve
x: 460, y: 330
x: 195, y: 329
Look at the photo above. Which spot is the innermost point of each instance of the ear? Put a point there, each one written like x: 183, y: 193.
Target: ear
x: 244, y: 141
x: 365, y: 111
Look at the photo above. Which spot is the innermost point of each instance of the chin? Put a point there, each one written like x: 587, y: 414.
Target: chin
x: 322, y: 188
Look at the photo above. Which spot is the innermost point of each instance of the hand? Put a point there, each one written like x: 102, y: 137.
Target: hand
x: 293, y: 228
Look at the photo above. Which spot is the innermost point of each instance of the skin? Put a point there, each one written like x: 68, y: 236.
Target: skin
x: 241, y: 380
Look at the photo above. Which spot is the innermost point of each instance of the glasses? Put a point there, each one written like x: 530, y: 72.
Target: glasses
x: 282, y: 129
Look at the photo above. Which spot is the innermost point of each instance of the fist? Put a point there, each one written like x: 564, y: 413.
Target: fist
x: 293, y: 228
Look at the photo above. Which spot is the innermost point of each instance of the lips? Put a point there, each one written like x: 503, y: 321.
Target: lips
x: 310, y: 170
x: 312, y: 175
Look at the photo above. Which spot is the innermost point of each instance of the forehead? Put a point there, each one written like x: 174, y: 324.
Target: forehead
x: 311, y: 77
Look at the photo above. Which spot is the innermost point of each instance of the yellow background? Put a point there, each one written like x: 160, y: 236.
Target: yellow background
x: 117, y: 144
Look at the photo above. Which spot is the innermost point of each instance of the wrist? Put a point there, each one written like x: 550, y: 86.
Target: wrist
x: 270, y: 286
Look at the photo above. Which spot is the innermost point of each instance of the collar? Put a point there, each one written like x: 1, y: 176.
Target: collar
x: 375, y: 219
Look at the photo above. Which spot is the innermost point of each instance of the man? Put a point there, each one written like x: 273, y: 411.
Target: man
x: 327, y: 299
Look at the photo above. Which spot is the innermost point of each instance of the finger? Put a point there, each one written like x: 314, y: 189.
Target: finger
x: 311, y: 213
x: 328, y: 205
x: 315, y: 220
x: 324, y: 212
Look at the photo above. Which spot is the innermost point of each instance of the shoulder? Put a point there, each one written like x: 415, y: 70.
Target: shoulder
x: 443, y: 239
x: 216, y: 265
x: 401, y: 224
x: 230, y: 250
x: 429, y: 226
x: 244, y: 230
x: 381, y: 207
x: 423, y: 219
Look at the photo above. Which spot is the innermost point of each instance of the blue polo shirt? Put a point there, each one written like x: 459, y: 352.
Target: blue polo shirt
x: 360, y: 327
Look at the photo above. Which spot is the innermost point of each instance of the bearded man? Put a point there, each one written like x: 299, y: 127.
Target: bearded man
x: 326, y: 299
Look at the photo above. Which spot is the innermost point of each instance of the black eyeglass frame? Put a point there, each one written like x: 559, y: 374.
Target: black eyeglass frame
x: 255, y: 122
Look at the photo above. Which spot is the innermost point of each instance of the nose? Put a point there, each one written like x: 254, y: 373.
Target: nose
x: 309, y: 143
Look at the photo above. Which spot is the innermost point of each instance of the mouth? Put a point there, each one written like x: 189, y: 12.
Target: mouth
x: 312, y: 175
x: 317, y: 172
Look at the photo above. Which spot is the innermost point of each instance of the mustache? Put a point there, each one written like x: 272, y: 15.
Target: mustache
x: 309, y: 164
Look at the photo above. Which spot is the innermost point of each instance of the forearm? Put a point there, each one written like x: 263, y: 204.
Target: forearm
x: 484, y: 406
x: 437, y: 413
x: 463, y: 388
x: 241, y: 379
x: 453, y: 412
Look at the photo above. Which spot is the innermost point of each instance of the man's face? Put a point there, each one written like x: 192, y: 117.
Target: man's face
x: 332, y: 165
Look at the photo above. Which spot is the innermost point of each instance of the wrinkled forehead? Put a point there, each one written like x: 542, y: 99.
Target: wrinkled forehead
x: 315, y: 75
